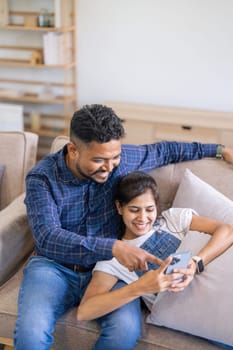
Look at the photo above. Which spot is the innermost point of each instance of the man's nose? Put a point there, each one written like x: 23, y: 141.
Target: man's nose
x: 108, y: 166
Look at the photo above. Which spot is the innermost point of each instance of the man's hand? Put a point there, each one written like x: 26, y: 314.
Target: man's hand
x: 227, y: 154
x: 132, y: 257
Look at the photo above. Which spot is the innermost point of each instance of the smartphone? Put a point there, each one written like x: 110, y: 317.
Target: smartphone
x: 179, y: 261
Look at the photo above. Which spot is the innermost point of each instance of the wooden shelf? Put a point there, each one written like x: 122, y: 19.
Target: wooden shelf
x: 26, y: 64
x: 39, y: 29
x: 59, y: 100
x: 34, y: 82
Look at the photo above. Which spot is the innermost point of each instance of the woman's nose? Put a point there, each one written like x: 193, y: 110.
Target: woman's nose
x: 142, y: 215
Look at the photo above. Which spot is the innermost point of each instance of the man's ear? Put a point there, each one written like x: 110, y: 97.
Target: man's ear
x: 118, y: 206
x: 72, y: 150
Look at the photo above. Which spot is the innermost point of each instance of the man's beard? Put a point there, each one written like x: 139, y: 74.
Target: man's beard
x: 88, y: 177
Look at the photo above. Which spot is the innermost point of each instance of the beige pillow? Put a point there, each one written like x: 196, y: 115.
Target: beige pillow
x: 205, y: 307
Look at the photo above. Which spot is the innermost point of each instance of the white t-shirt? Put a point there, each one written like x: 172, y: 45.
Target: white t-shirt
x: 176, y: 221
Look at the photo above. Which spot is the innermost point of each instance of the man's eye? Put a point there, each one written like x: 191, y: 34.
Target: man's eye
x: 117, y: 157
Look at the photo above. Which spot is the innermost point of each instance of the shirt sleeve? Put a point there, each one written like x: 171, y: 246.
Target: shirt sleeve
x: 178, y: 220
x: 112, y: 267
x: 115, y: 268
x: 152, y: 156
x: 105, y: 266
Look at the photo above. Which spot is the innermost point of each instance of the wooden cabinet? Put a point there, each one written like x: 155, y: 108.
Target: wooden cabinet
x: 148, y: 123
x: 38, y: 65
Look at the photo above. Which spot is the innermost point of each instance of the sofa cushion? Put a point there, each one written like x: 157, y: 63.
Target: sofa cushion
x: 205, y: 307
x: 16, y: 241
x: 2, y: 168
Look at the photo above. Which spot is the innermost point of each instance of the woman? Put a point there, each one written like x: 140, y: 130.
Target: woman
x: 136, y: 199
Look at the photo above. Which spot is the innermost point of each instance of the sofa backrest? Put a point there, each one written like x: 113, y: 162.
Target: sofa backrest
x: 58, y: 143
x: 216, y: 172
x: 18, y: 151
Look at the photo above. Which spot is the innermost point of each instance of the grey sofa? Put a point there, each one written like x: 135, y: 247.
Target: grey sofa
x: 73, y: 335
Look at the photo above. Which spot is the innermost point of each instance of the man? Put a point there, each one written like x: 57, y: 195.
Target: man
x: 74, y: 224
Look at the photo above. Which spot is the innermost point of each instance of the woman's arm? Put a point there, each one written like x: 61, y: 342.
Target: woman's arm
x: 221, y: 240
x: 99, y: 299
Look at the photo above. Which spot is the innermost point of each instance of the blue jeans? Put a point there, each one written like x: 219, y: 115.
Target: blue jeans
x: 120, y: 329
x: 48, y: 290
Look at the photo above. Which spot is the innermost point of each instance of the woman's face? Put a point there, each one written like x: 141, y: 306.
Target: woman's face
x: 138, y: 215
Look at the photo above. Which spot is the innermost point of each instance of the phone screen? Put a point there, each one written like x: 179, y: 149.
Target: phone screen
x: 179, y: 261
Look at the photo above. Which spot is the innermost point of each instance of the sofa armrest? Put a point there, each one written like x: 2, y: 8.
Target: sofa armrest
x: 16, y: 241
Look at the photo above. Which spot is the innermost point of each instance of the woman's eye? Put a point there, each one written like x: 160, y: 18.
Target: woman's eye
x: 133, y: 210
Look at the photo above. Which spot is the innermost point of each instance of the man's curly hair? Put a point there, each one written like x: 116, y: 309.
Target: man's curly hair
x: 96, y: 123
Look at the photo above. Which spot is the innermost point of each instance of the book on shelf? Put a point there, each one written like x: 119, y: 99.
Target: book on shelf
x: 57, y: 48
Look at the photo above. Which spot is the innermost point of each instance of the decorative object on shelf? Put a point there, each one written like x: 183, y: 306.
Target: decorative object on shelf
x: 57, y: 13
x: 21, y: 54
x: 30, y: 94
x: 14, y: 93
x: 36, y: 57
x: 30, y: 21
x: 43, y: 18
x: 35, y: 121
x: 4, y: 14
x: 47, y: 92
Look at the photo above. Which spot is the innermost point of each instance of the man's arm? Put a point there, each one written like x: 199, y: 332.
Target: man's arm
x: 151, y: 156
x: 52, y: 237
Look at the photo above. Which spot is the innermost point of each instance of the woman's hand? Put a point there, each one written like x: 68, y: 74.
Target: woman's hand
x: 187, y: 276
x: 155, y: 281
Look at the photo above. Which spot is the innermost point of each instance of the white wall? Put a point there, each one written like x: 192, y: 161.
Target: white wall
x: 167, y: 52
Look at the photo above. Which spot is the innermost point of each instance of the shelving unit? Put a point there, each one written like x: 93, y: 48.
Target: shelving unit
x: 48, y: 90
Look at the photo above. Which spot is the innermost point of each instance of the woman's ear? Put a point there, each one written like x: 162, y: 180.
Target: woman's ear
x: 118, y: 206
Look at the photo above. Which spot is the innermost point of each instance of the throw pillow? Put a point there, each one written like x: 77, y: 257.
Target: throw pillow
x: 205, y: 307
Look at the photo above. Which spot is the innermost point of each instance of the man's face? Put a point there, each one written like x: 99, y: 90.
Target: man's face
x: 94, y: 160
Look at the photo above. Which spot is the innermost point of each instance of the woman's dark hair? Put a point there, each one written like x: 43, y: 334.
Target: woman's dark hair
x: 133, y: 185
x: 96, y: 123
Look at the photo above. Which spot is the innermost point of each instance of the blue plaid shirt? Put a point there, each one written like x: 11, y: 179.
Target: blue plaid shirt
x: 75, y: 221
